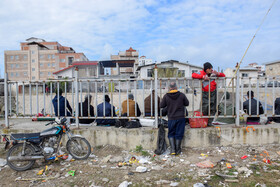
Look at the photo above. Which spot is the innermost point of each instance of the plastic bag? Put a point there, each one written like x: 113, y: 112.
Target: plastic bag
x: 198, y: 122
x: 161, y: 143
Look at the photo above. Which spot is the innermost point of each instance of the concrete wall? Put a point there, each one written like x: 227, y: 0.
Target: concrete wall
x: 128, y: 139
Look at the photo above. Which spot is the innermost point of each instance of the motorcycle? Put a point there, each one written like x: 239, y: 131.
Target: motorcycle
x: 27, y: 148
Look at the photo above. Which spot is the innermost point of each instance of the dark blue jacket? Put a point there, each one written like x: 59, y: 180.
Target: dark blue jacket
x: 61, y: 106
x: 107, y: 113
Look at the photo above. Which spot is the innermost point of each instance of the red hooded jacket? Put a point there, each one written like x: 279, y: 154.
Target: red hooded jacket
x: 205, y: 84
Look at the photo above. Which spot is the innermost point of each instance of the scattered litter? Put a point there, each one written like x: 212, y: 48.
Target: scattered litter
x: 161, y: 182
x: 125, y: 184
x: 244, y: 157
x: 105, y: 180
x: 198, y: 185
x: 174, y: 184
x: 34, y: 179
x: 69, y: 158
x: 133, y: 160
x: 266, y: 161
x: 232, y: 180
x: 71, y: 172
x: 106, y: 159
x: 141, y: 169
x: 205, y: 164
x: 3, y: 162
x: 225, y: 176
x: 104, y: 166
x: 228, y: 165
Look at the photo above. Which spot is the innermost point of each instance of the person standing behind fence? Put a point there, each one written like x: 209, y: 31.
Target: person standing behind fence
x: 253, y: 110
x: 175, y: 102
x: 277, y: 112
x: 131, y: 104
x: 150, y: 100
x: 108, y: 112
x: 205, y: 74
x: 86, y: 107
x: 62, y: 101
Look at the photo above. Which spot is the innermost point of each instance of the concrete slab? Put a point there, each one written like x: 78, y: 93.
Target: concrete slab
x: 226, y: 135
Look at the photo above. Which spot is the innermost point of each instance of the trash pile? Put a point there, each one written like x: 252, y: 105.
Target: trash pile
x: 198, y: 167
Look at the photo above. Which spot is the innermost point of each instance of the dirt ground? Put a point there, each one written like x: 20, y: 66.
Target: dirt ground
x: 102, y: 169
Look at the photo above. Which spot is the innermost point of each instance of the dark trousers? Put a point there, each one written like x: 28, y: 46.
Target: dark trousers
x: 212, y: 102
x: 176, y: 128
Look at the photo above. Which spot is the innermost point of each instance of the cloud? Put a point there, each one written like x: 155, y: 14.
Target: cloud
x: 185, y: 30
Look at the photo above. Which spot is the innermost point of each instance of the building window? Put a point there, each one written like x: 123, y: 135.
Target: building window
x: 49, y: 73
x: 12, y: 66
x: 12, y: 57
x: 194, y: 71
x: 12, y: 74
x: 33, y: 69
x: 24, y: 57
x: 49, y: 64
x: 16, y: 74
x: 16, y: 57
x: 41, y: 73
x: 41, y: 64
x: 150, y: 73
x: 41, y: 56
x: 244, y: 74
x: 181, y: 73
x: 25, y: 65
x: 53, y: 56
x: 25, y: 73
x: 17, y: 66
x: 32, y: 52
x: 70, y: 60
x: 49, y: 56
x: 33, y: 78
x: 53, y: 64
x: 33, y: 60
x: 62, y: 60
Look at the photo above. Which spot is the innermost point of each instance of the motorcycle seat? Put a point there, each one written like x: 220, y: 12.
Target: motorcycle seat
x: 25, y: 136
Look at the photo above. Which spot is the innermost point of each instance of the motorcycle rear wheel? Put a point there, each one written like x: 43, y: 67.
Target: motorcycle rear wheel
x: 79, y: 148
x: 16, y: 150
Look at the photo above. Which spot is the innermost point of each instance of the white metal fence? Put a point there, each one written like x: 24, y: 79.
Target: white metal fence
x: 25, y: 99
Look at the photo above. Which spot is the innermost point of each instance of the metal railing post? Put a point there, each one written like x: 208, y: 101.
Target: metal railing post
x: 237, y: 120
x: 156, y: 97
x: 76, y: 98
x: 6, y: 100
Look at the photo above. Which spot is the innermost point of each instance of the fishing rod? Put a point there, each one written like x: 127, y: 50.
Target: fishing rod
x: 239, y: 64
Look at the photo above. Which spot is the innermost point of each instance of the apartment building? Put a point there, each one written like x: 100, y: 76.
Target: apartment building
x: 128, y: 55
x: 37, y: 59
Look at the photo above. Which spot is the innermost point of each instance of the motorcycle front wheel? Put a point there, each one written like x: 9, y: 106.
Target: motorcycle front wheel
x: 17, y: 150
x: 79, y: 148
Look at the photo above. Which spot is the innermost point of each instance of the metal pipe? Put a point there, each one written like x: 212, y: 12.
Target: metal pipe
x: 156, y: 97
x: 76, y: 99
x: 17, y: 99
x: 30, y: 98
x: 37, y: 99
x: 237, y: 120
x: 23, y: 98
x: 44, y: 95
x: 6, y: 100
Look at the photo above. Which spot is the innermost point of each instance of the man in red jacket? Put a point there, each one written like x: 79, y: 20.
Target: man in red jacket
x: 208, y: 84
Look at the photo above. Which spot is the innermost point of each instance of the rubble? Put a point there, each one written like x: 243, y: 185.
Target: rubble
x: 220, y: 166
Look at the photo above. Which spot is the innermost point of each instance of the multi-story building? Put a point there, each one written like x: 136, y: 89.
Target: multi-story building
x: 143, y: 61
x: 130, y: 54
x: 37, y: 59
x: 272, y: 68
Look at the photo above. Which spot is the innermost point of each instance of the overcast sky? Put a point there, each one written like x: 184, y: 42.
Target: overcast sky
x: 218, y: 31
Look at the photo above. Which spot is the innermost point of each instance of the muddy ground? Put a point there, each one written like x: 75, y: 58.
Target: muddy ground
x: 102, y: 169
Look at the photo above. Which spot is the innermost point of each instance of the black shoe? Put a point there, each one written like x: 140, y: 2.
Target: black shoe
x: 178, y: 146
x: 210, y: 125
x: 172, y: 146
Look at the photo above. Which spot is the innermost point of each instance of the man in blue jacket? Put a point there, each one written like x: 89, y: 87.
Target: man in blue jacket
x: 108, y: 112
x: 61, y: 100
